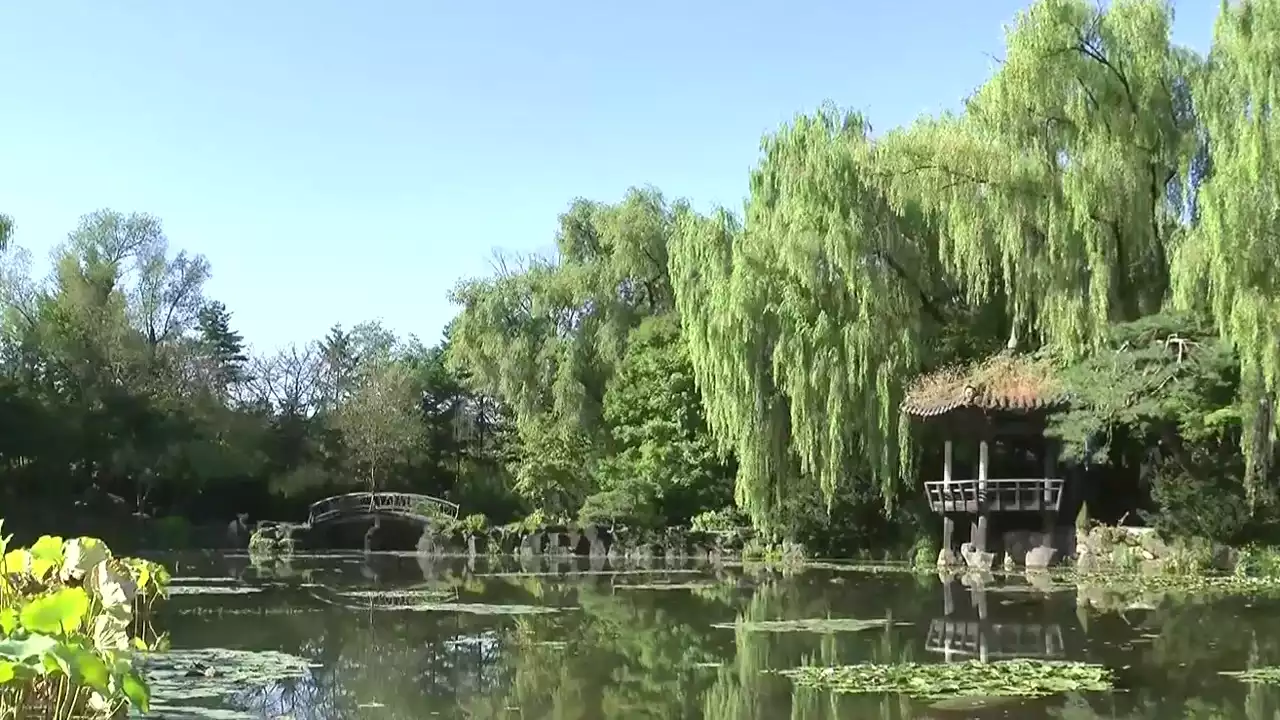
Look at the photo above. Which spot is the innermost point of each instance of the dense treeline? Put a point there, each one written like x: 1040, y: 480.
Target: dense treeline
x: 127, y: 389
x: 1106, y: 199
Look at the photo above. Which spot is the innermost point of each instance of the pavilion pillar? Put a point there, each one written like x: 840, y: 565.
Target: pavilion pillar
x: 979, y: 530
x: 948, y: 520
x: 1048, y: 515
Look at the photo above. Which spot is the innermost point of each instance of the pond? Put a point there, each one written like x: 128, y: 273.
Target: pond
x: 330, y: 636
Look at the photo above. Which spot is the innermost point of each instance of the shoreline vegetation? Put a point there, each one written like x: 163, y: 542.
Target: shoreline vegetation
x: 71, y: 617
x: 1093, y: 220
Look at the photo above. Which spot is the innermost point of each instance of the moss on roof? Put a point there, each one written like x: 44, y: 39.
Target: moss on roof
x: 1004, y: 382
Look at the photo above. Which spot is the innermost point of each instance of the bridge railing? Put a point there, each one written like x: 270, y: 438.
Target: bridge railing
x: 391, y: 503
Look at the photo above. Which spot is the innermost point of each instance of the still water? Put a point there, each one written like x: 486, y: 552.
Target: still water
x: 324, y: 637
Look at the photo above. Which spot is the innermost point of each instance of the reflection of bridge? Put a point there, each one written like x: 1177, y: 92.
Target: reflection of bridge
x: 355, y: 506
x: 384, y: 600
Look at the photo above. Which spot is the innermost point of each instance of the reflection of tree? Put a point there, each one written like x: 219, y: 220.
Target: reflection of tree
x: 626, y: 654
x: 747, y: 689
x: 621, y: 652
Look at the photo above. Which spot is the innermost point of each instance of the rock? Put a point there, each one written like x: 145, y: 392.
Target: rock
x: 1040, y: 557
x: 531, y: 544
x: 1016, y: 543
x: 947, y: 559
x: 976, y: 559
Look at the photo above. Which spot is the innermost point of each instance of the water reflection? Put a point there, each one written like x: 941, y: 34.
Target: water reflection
x: 636, y: 642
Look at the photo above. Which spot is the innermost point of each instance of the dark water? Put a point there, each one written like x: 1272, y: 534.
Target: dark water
x: 632, y: 643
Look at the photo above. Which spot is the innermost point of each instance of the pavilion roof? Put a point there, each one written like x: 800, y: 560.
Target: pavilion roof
x: 1005, y: 382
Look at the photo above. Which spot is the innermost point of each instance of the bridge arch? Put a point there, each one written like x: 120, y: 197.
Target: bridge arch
x: 366, y: 505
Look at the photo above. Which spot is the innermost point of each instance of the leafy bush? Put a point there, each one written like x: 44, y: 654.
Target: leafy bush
x: 270, y: 539
x: 724, y: 520
x: 70, y: 613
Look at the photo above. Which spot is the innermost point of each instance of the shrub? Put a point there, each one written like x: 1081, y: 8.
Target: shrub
x: 70, y: 613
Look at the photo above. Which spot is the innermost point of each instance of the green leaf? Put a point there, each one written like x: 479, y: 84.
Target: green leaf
x: 62, y: 612
x: 23, y: 649
x: 136, y: 690
x: 8, y: 621
x: 16, y: 561
x: 8, y: 671
x: 46, y: 556
x: 86, y: 667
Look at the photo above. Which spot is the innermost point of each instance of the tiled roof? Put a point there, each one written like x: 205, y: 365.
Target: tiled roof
x: 1007, y: 382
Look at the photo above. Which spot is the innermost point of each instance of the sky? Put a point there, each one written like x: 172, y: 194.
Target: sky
x: 340, y: 161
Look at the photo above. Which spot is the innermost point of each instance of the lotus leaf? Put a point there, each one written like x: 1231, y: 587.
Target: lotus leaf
x: 66, y: 612
x: 113, y: 584
x: 80, y: 555
x: 111, y: 631
x: 16, y: 562
x: 46, y: 556
x: 61, y: 612
x: 26, y: 648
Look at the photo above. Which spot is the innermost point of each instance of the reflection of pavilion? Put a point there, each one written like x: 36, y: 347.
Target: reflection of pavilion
x: 986, y: 640
x: 1013, y: 636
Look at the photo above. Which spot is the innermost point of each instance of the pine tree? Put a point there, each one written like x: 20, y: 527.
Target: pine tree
x: 224, y: 346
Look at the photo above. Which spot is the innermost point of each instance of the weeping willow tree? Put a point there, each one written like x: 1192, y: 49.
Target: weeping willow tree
x: 1047, y: 209
x: 1062, y: 185
x: 1228, y: 263
x: 803, y: 323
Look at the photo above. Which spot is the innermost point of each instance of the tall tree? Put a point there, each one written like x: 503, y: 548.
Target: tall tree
x: 380, y: 422
x: 224, y: 347
x: 1226, y: 265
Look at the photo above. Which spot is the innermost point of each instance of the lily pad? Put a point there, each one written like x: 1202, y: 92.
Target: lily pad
x: 1264, y: 675
x: 668, y: 586
x: 484, y: 609
x: 399, y: 594
x: 203, y: 683
x: 973, y: 679
x: 813, y: 625
x: 213, y: 590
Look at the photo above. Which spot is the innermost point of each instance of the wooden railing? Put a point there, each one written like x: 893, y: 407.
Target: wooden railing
x: 382, y: 503
x: 998, y: 495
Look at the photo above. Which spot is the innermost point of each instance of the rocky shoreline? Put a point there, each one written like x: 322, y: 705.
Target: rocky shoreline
x: 616, y: 542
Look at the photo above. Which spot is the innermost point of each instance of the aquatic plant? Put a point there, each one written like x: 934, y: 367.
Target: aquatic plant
x: 272, y: 540
x: 1264, y: 675
x: 972, y: 679
x: 70, y: 612
x: 812, y: 625
x: 185, y: 682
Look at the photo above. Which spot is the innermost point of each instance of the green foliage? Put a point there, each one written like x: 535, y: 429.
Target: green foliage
x: 970, y: 679
x: 381, y: 420
x: 722, y: 520
x: 663, y: 361
x: 1161, y: 394
x: 70, y: 613
x: 1225, y: 266
x: 664, y: 463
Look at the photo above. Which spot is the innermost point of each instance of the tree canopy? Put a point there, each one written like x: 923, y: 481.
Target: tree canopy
x: 666, y: 365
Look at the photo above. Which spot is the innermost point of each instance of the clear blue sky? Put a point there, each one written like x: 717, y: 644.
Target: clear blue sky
x: 339, y: 161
